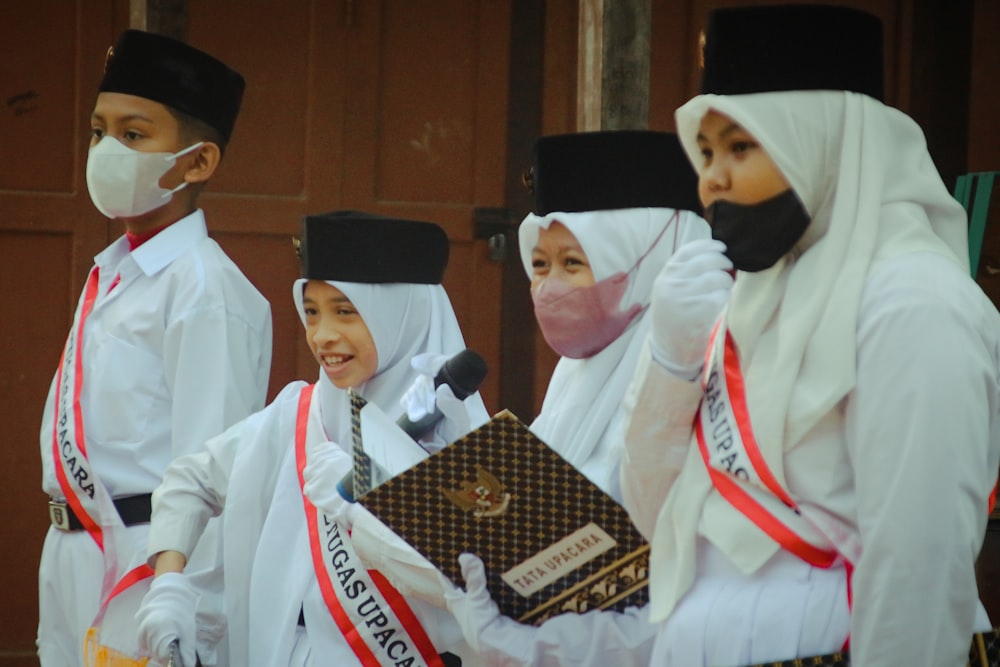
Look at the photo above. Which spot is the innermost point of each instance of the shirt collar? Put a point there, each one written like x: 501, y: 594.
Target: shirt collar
x: 159, y: 251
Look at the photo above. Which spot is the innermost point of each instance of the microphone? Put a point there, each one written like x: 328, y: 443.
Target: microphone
x: 463, y: 373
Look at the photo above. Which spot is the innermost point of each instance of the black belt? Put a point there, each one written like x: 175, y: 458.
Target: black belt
x: 132, y: 510
x: 984, y: 652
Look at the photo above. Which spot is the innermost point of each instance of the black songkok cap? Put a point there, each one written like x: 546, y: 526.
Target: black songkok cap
x: 175, y: 74
x: 792, y: 47
x: 359, y: 247
x: 596, y: 171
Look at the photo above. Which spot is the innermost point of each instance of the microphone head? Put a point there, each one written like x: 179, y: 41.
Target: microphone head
x: 463, y: 373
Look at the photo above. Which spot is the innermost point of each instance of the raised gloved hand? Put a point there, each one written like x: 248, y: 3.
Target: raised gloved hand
x: 326, y: 464
x: 688, y: 297
x: 166, y: 613
x: 499, y: 640
x: 421, y: 398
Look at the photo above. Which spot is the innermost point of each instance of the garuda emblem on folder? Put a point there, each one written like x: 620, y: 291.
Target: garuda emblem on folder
x: 483, y: 497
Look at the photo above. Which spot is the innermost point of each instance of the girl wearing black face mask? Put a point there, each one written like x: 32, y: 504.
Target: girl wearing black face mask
x: 781, y: 456
x: 748, y: 202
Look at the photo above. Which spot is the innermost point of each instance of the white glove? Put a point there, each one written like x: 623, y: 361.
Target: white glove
x: 326, y: 464
x: 456, y: 422
x: 418, y: 401
x: 688, y: 297
x: 166, y: 613
x: 422, y: 398
x: 499, y: 640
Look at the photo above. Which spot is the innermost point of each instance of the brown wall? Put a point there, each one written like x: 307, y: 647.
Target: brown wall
x: 48, y: 232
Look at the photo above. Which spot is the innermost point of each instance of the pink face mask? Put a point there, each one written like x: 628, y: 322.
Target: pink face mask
x: 579, y: 322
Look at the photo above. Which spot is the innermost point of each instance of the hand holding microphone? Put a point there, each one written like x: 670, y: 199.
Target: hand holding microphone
x: 427, y: 402
x: 688, y: 297
x: 438, y: 394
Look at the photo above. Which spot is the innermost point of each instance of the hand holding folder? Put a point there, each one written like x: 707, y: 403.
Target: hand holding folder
x: 551, y: 540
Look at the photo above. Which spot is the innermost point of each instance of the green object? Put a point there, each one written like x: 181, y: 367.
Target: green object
x: 973, y: 191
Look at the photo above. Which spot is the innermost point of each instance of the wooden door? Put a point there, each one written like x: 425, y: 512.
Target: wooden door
x: 390, y: 106
x: 424, y: 136
x: 51, y: 53
x: 387, y: 106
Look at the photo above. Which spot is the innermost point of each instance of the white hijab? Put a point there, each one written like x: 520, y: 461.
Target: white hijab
x: 863, y: 172
x: 583, y: 399
x: 404, y: 319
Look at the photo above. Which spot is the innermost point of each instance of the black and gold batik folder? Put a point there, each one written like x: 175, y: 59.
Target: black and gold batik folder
x: 551, y: 540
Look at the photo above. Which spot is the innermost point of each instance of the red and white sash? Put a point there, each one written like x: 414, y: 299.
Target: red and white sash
x: 84, y: 493
x: 740, y: 473
x: 371, y: 614
x: 69, y: 449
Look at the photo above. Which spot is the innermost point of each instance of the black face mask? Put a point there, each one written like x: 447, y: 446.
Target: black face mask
x: 758, y: 235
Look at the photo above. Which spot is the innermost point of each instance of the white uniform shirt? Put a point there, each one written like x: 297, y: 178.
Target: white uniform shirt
x: 178, y: 350
x: 250, y: 471
x: 906, y: 460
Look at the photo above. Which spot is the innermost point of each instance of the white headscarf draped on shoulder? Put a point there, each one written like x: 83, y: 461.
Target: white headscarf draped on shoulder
x: 580, y: 412
x: 863, y: 172
x: 404, y: 319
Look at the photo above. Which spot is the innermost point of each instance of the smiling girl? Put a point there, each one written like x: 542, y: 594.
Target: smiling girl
x: 295, y: 590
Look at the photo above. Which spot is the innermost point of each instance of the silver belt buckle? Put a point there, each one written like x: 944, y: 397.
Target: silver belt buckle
x: 59, y: 515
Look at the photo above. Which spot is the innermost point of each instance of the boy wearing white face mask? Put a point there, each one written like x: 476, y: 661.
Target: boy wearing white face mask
x: 170, y: 345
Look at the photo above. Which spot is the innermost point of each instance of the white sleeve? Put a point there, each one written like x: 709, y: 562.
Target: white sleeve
x: 216, y: 365
x: 192, y: 492
x: 408, y: 571
x: 658, y: 410
x: 594, y: 639
x: 922, y: 438
x: 195, y: 486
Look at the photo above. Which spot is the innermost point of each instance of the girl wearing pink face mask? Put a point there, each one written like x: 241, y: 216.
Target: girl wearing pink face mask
x: 610, y: 209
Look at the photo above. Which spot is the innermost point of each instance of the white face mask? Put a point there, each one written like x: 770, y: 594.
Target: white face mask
x: 125, y: 183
